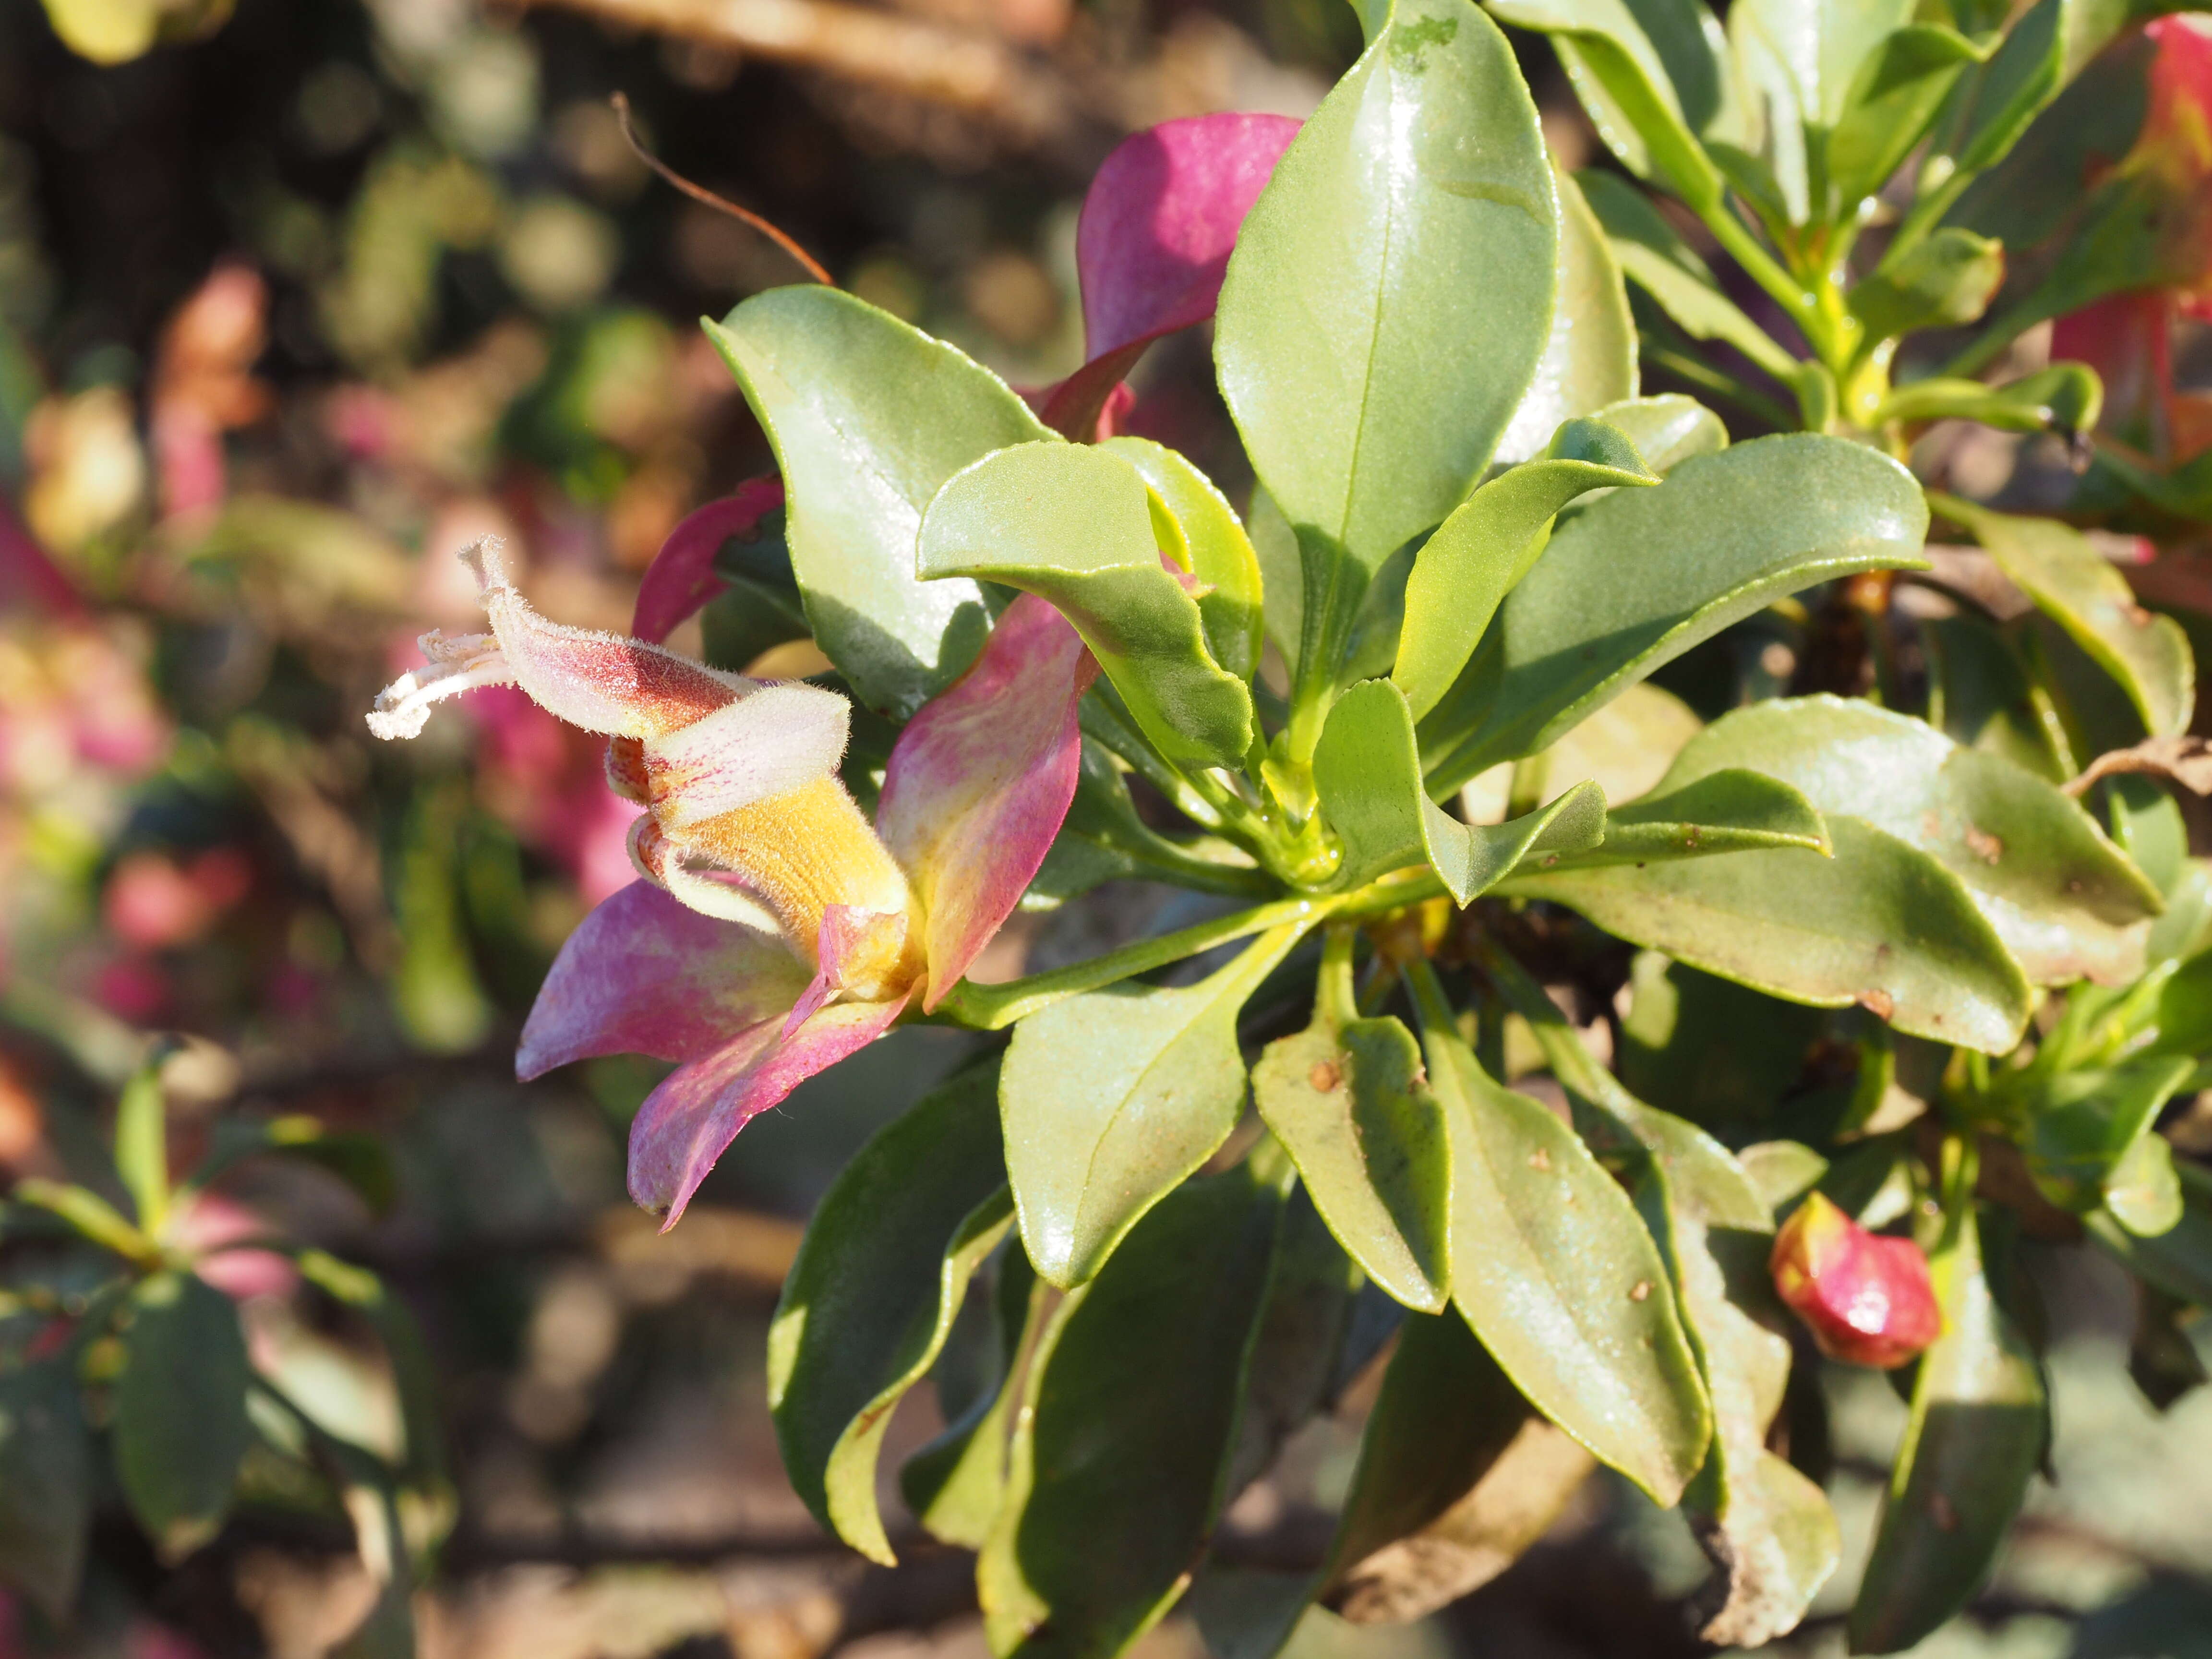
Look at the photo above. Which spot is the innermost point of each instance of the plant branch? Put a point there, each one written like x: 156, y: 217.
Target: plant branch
x: 720, y: 204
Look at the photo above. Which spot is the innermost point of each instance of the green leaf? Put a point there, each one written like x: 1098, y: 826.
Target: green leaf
x: 1368, y: 769
x: 2074, y: 585
x: 868, y: 418
x: 1822, y: 46
x: 1553, y: 1269
x: 2179, y: 1261
x: 1708, y: 1049
x: 1488, y: 543
x: 1073, y: 524
x: 1769, y: 1528
x: 1220, y: 554
x: 180, y: 1424
x: 1589, y: 358
x: 1900, y: 86
x: 1977, y: 1430
x: 141, y: 1145
x: 46, y: 1487
x: 2026, y: 72
x: 1727, y: 812
x: 1658, y: 261
x: 1631, y: 92
x: 2065, y: 398
x: 1946, y: 281
x: 1391, y: 291
x: 1348, y: 1100
x: 953, y: 1484
x: 1126, y: 1426
x: 1979, y: 695
x: 2084, y: 1126
x: 1881, y: 924
x: 873, y: 1291
x: 1110, y: 1099
x: 1637, y: 577
x: 1667, y: 429
x: 1457, y: 1476
x: 1298, y: 1345
x: 2067, y: 903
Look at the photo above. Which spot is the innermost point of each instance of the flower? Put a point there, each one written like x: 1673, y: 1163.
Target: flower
x: 1867, y: 1298
x: 776, y: 930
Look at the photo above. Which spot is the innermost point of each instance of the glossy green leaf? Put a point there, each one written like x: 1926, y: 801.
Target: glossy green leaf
x: 1590, y: 357
x: 1709, y: 1050
x: 2064, y: 399
x: 46, y: 1487
x: 1368, y: 770
x: 1229, y: 599
x: 1554, y: 1270
x: 2038, y: 55
x: 180, y: 1424
x: 1667, y: 429
x: 1946, y: 281
x: 873, y: 1291
x: 1126, y: 1426
x: 1880, y: 923
x: 1635, y: 578
x: 1727, y: 812
x: 2067, y: 903
x: 868, y: 418
x: 1489, y: 543
x: 1625, y: 748
x: 1657, y: 260
x: 2084, y: 1125
x: 1822, y: 45
x: 1769, y: 1530
x: 1893, y: 96
x: 1300, y: 1334
x: 1349, y: 1102
x: 1457, y: 1476
x: 1110, y: 1099
x: 1977, y: 1430
x: 1072, y: 524
x: 1631, y: 91
x: 1391, y: 291
x: 2074, y: 585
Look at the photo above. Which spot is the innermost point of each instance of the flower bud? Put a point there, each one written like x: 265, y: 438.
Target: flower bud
x: 1867, y: 1298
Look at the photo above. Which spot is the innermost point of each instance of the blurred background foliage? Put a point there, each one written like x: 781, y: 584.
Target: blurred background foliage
x: 295, y: 299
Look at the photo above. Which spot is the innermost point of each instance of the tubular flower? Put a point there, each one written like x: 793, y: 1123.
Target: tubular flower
x: 1866, y: 1297
x: 775, y: 931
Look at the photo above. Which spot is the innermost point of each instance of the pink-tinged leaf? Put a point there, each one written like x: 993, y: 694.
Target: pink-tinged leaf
x: 645, y: 974
x: 689, y: 1121
x: 1158, y: 225
x: 980, y: 779
x: 2125, y: 337
x: 681, y: 579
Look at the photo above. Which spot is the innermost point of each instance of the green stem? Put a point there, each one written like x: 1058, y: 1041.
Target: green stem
x: 1105, y: 723
x: 1430, y: 1006
x: 1684, y: 366
x: 1926, y: 212
x: 1801, y: 308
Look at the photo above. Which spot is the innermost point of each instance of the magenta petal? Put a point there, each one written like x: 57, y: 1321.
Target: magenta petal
x: 645, y: 974
x: 980, y: 780
x: 681, y: 578
x: 692, y: 1117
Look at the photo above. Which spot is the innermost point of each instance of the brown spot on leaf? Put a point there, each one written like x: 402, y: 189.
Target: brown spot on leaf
x: 1942, y: 1511
x: 1984, y: 845
x: 1640, y: 1291
x: 1878, y: 1003
x: 1325, y: 1076
x: 1540, y: 1159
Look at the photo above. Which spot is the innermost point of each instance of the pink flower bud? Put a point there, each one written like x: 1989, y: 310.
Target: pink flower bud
x: 1867, y: 1298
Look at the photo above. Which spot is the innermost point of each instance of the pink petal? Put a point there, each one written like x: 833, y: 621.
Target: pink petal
x: 980, y: 779
x: 645, y: 974
x: 1158, y: 225
x: 692, y: 1117
x: 681, y: 578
